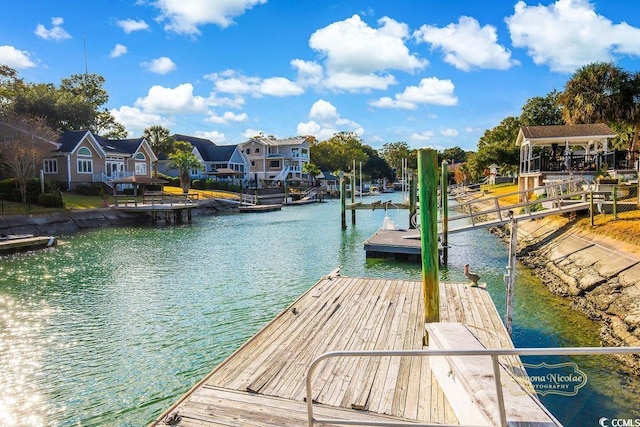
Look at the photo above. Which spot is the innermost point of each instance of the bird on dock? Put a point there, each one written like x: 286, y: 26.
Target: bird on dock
x: 471, y: 276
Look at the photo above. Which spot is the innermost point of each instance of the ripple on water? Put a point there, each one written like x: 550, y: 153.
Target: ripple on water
x: 115, y: 324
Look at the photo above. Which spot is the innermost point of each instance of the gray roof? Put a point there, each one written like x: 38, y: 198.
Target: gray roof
x: 568, y: 131
x: 68, y: 141
x: 209, y: 151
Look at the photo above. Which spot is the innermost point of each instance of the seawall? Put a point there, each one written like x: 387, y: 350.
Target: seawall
x: 72, y: 221
x: 600, y: 276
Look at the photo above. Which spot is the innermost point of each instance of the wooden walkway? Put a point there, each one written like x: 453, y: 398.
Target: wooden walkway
x: 263, y: 382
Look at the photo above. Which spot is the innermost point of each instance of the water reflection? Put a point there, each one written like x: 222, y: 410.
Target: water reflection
x: 113, y: 325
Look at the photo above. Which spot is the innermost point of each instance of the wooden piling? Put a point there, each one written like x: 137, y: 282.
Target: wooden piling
x: 444, y: 179
x: 427, y: 183
x: 343, y: 201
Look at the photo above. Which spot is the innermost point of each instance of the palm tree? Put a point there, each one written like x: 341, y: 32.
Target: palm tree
x: 594, y: 94
x: 160, y: 141
x: 311, y: 170
x: 185, y: 161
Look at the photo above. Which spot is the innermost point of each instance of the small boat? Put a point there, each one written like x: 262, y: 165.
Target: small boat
x: 374, y: 191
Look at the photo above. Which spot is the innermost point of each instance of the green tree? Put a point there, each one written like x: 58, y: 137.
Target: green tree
x: 453, y: 155
x: 542, y: 111
x: 395, y: 152
x: 24, y: 142
x: 160, y: 140
x: 497, y: 145
x: 339, y: 152
x: 312, y: 171
x: 376, y: 167
x: 185, y: 161
x: 594, y: 94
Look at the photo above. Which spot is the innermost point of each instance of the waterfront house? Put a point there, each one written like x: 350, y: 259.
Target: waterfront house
x: 276, y: 160
x: 224, y: 163
x: 550, y: 154
x: 328, y: 181
x: 83, y: 157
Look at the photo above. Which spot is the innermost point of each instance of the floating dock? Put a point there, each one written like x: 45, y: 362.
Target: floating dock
x: 259, y: 208
x: 263, y: 382
x: 394, y: 244
x: 25, y: 243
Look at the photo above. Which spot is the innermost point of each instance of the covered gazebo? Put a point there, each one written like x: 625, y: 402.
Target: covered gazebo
x: 556, y: 153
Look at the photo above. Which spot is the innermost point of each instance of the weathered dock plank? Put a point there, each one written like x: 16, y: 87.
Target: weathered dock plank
x: 263, y: 382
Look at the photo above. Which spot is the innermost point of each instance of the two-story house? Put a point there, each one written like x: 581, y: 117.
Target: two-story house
x: 276, y: 159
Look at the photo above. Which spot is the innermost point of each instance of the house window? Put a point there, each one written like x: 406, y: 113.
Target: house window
x: 85, y: 165
x: 140, y: 156
x: 274, y: 164
x: 84, y: 151
x: 253, y: 163
x: 305, y: 153
x: 140, y: 168
x: 295, y: 153
x: 50, y: 166
x: 248, y: 150
x: 257, y: 151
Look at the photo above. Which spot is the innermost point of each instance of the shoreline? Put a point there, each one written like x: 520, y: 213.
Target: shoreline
x: 600, y: 276
x: 72, y: 221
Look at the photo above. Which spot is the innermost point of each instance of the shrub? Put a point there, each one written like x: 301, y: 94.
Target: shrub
x: 128, y: 191
x: 51, y: 200
x: 198, y: 184
x: 93, y: 189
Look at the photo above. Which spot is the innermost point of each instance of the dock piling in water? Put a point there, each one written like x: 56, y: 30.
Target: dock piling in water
x: 427, y: 183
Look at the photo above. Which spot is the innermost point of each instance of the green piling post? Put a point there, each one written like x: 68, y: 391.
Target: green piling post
x: 343, y: 200
x: 413, y: 192
x: 444, y: 180
x: 428, y: 194
x: 615, y: 201
x: 353, y: 195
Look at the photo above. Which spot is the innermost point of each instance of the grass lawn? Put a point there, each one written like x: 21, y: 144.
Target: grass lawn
x: 77, y: 201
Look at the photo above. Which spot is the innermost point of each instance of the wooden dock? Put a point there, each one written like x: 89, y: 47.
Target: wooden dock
x: 395, y: 244
x: 25, y: 243
x: 260, y: 208
x: 263, y: 382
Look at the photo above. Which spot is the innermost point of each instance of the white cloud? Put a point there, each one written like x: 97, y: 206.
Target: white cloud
x: 250, y: 133
x: 14, y: 58
x: 569, y: 34
x: 227, y: 117
x: 449, y: 133
x: 56, y: 32
x: 309, y: 73
x: 422, y: 136
x: 324, y: 122
x: 230, y: 81
x: 118, y: 50
x: 136, y: 120
x: 184, y: 16
x: 466, y: 45
x: 214, y: 136
x: 179, y: 100
x: 162, y: 65
x: 431, y: 90
x: 131, y: 25
x: 214, y: 101
x: 279, y: 86
x: 359, y: 57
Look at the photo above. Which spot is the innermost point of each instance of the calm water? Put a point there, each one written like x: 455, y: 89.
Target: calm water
x: 113, y: 325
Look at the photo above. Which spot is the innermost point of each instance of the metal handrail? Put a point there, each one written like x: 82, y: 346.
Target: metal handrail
x: 493, y: 353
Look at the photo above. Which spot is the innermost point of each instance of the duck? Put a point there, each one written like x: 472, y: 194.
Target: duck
x: 471, y: 276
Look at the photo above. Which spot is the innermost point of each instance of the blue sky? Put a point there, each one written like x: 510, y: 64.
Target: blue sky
x: 427, y: 72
